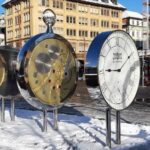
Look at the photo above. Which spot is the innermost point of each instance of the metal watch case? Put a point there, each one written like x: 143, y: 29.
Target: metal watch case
x: 46, y: 71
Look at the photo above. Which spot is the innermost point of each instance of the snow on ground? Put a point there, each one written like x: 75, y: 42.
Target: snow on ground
x: 75, y: 133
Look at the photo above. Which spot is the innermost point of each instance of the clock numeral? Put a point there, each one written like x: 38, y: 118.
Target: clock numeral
x: 103, y: 87
x: 124, y: 94
x: 136, y: 78
x: 117, y: 41
x: 101, y: 71
x: 132, y: 68
x: 131, y: 82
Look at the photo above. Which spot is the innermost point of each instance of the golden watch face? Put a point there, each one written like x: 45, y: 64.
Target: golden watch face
x: 50, y: 71
x: 2, y: 70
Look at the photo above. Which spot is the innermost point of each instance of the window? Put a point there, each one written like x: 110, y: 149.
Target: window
x: 26, y: 17
x: 105, y: 24
x: 10, y: 34
x: 26, y: 4
x: 18, y: 33
x: 9, y: 11
x: 114, y: 14
x: 95, y: 22
x: 83, y: 21
x: 70, y: 6
x: 133, y: 34
x: 83, y: 47
x: 83, y: 33
x: 59, y: 18
x: 73, y: 45
x: 10, y: 22
x: 83, y: 9
x: 115, y: 25
x: 93, y: 34
x: 105, y: 1
x: 18, y: 20
x: 17, y: 7
x: 104, y: 12
x: 70, y: 19
x: 71, y: 32
x: 58, y: 4
x: 94, y: 11
x: 44, y: 2
x: 26, y: 30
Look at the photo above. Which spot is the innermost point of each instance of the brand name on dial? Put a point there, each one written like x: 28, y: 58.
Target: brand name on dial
x: 117, y: 57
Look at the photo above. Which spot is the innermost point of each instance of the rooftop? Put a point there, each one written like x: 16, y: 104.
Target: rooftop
x: 132, y: 14
x: 110, y: 3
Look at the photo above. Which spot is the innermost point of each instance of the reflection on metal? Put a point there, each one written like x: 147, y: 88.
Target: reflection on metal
x: 55, y: 118
x: 12, y: 110
x: 49, y: 18
x: 8, y: 87
x: 44, y: 120
x: 118, y: 128
x: 108, y: 127
x: 3, y: 72
x: 2, y: 109
x: 46, y: 68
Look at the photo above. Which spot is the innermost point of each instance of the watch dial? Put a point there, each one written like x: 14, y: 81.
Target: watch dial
x: 119, y: 70
x: 50, y: 71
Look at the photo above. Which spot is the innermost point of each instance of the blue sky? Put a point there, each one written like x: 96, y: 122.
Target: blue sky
x: 133, y: 5
x: 1, y: 9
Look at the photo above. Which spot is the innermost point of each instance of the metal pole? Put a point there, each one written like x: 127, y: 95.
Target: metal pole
x: 12, y: 110
x: 44, y: 120
x: 143, y: 72
x: 108, y: 127
x: 118, y: 128
x: 55, y: 117
x: 3, y: 110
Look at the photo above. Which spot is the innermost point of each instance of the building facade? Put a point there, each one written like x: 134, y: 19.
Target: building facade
x: 146, y: 22
x: 133, y: 24
x: 2, y: 30
x: 79, y: 21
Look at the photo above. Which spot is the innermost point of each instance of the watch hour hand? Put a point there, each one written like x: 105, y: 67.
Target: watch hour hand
x: 115, y: 70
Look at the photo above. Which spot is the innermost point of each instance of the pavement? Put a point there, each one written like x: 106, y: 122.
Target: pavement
x: 81, y: 103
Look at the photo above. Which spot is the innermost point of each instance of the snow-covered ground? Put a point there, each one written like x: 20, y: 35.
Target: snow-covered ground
x: 75, y: 133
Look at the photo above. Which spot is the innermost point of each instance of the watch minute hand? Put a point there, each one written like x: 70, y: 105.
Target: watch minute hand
x: 126, y: 60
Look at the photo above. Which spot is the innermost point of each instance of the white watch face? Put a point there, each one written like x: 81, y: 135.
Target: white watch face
x: 119, y: 70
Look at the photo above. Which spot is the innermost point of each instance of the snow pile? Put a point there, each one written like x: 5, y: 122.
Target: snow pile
x: 75, y: 133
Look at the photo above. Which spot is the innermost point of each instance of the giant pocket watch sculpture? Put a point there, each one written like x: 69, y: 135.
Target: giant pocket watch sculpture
x: 113, y: 57
x: 46, y: 68
x: 112, y: 62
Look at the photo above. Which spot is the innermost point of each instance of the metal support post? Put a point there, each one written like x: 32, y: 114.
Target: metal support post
x: 45, y: 120
x: 55, y: 117
x: 108, y: 127
x: 2, y: 109
x: 118, y: 128
x: 12, y: 110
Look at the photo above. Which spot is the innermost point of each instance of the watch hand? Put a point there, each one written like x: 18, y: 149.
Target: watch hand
x: 126, y: 61
x: 119, y: 70
x: 115, y: 70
